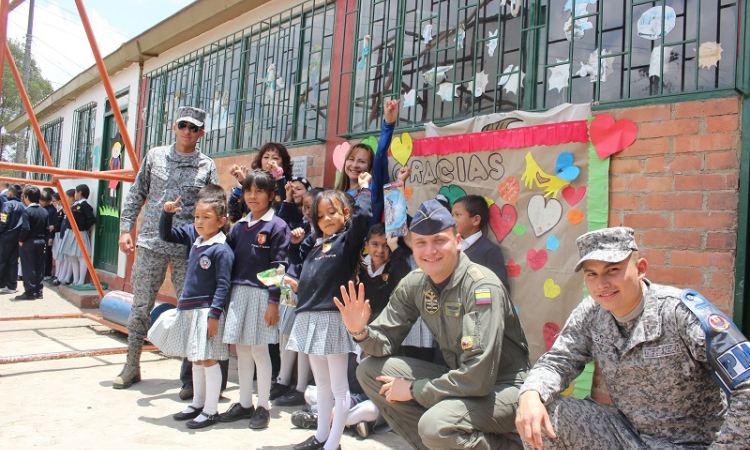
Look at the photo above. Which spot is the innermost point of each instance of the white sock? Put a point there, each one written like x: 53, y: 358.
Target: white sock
x: 263, y: 362
x: 338, y: 366
x: 303, y: 371
x: 319, y: 365
x: 199, y: 386
x: 287, y: 361
x: 83, y: 270
x: 213, y: 389
x: 245, y: 372
x: 74, y: 268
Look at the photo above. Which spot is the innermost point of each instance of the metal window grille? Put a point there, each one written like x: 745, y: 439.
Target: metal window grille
x: 267, y: 82
x: 52, y: 133
x: 461, y: 58
x: 82, y: 145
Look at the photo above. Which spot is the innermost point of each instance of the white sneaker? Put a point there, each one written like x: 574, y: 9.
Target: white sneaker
x: 6, y: 290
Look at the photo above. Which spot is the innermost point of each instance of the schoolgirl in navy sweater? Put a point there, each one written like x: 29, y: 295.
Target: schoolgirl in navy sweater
x: 195, y: 329
x: 318, y: 329
x: 84, y: 217
x: 260, y: 241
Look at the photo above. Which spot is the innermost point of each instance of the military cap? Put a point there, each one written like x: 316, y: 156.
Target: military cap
x: 431, y: 218
x: 189, y: 114
x: 608, y: 244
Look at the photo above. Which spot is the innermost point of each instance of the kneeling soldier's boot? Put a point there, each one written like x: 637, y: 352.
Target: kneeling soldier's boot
x: 131, y: 373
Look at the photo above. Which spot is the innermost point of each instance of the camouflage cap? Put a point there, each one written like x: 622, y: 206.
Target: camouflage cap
x: 608, y: 244
x: 189, y: 114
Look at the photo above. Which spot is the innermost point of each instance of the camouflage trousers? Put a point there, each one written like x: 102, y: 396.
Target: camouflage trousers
x: 587, y: 425
x: 479, y: 423
x: 149, y: 272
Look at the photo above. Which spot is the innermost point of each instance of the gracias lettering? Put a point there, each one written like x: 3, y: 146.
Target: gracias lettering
x: 460, y: 168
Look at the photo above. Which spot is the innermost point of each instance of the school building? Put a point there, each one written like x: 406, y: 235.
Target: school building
x: 314, y: 73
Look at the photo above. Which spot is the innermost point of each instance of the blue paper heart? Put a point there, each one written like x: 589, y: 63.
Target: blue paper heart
x: 565, y: 168
x: 552, y: 243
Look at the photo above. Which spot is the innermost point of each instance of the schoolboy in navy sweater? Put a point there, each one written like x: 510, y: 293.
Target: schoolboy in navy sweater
x: 10, y: 226
x: 32, y: 239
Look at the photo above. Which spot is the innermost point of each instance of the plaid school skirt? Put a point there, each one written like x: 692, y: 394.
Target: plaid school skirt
x: 320, y: 333
x: 183, y: 333
x: 246, y: 314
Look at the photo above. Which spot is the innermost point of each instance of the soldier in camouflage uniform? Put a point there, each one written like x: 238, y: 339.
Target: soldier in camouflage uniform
x: 167, y: 173
x: 471, y: 403
x: 651, y: 349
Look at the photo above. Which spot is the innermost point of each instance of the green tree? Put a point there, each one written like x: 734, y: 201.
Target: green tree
x: 11, y: 104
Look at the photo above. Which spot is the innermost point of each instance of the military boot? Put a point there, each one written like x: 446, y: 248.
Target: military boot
x: 131, y: 373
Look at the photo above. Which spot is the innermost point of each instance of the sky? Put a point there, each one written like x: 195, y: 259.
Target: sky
x: 59, y: 43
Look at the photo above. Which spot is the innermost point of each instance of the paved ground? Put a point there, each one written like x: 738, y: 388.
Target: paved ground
x: 70, y: 403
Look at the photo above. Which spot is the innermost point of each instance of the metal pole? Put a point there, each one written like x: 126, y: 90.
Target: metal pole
x: 3, y: 36
x: 120, y: 174
x: 68, y: 355
x: 27, y: 52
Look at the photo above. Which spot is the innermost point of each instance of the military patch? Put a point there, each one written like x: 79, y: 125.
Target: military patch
x: 452, y: 309
x: 326, y: 247
x: 661, y: 351
x: 205, y: 262
x: 431, y: 304
x: 482, y: 296
x: 262, y: 238
x: 3, y: 217
x: 467, y: 342
x: 718, y: 323
x: 475, y: 273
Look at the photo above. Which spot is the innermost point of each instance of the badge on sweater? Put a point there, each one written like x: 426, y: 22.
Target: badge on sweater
x: 205, y: 262
x: 467, y: 342
x: 262, y: 238
x: 326, y: 247
x: 482, y: 296
x: 431, y: 304
x: 384, y: 277
x: 3, y: 217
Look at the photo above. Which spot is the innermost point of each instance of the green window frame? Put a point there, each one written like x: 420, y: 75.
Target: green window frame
x: 249, y: 101
x: 82, y: 145
x: 52, y: 134
x: 529, y: 37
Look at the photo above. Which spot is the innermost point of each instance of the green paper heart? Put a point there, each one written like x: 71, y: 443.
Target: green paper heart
x: 519, y: 229
x: 452, y: 193
x: 371, y: 141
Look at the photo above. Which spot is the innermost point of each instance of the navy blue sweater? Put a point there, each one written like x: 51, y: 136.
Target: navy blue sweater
x: 331, y: 262
x: 486, y: 253
x: 11, y: 216
x: 237, y: 207
x: 378, y: 289
x: 84, y: 216
x: 51, y: 219
x: 34, y: 222
x: 209, y: 267
x: 257, y: 248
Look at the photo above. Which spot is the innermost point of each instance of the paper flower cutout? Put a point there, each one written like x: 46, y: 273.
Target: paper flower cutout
x: 436, y: 76
x: 709, y: 54
x: 409, y: 99
x: 492, y: 43
x: 478, y: 84
x: 447, y: 91
x: 649, y: 25
x: 427, y: 34
x: 589, y: 69
x: 558, y: 78
x: 510, y: 81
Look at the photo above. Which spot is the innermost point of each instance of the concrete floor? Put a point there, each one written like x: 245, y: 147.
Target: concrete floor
x: 70, y: 403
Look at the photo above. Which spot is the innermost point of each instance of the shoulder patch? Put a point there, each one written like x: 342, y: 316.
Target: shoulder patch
x: 467, y: 342
x: 475, y: 273
x: 482, y: 296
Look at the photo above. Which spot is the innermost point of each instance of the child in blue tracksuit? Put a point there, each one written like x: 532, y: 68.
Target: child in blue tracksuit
x: 195, y: 330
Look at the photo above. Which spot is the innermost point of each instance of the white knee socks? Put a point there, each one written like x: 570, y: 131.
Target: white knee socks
x: 247, y: 357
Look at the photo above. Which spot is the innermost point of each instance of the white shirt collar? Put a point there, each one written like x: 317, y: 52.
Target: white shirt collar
x: 471, y: 240
x: 368, y: 264
x: 218, y: 238
x: 79, y: 202
x: 33, y: 204
x: 266, y: 218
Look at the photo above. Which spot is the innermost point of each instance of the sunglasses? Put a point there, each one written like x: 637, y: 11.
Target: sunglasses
x: 183, y: 125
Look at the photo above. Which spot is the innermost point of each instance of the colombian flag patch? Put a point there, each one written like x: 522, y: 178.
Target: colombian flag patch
x: 482, y: 296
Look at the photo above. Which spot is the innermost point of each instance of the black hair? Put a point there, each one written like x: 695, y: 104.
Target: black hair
x: 376, y: 230
x: 56, y: 197
x: 45, y: 196
x: 305, y: 183
x: 333, y: 197
x: 286, y: 160
x: 16, y: 189
x: 84, y: 190
x: 263, y: 181
x: 313, y: 192
x: 32, y: 193
x: 214, y: 196
x: 476, y: 205
x: 48, y: 189
x: 70, y: 193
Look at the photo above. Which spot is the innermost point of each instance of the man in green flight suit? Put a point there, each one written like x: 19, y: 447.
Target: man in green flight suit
x: 472, y: 402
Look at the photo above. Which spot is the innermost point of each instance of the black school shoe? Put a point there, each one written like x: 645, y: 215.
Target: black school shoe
x: 209, y: 419
x: 24, y: 296
x: 188, y: 415
x: 291, y: 398
x: 260, y: 419
x: 237, y: 412
x: 277, y: 390
x: 310, y: 444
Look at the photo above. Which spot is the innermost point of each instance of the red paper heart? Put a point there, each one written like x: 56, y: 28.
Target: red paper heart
x: 550, y: 331
x: 502, y: 222
x: 609, y: 137
x: 514, y: 269
x: 536, y: 259
x: 573, y: 195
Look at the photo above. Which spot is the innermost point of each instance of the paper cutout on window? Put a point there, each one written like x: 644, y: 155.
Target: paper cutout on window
x: 477, y: 85
x: 272, y: 82
x: 653, y: 66
x: 552, y: 243
x: 610, y: 137
x: 427, y: 34
x: 709, y: 54
x: 460, y: 35
x: 509, y: 190
x: 217, y: 120
x: 536, y: 259
x: 365, y: 52
x: 492, y: 43
x: 401, y: 148
x: 519, y: 229
x: 569, y: 4
x: 576, y: 29
x: 511, y: 82
x: 589, y: 69
x: 543, y: 214
x: 551, y: 290
x: 436, y: 75
x: 409, y: 99
x: 534, y: 174
x: 502, y: 219
x: 339, y: 153
x: 447, y: 91
x: 564, y: 167
x: 315, y: 62
x: 649, y: 25
x: 558, y: 77
x: 515, y: 6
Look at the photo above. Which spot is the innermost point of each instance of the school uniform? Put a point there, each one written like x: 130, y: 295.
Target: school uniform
x: 262, y: 244
x: 484, y: 252
x: 183, y: 332
x: 237, y: 207
x: 318, y: 328
x: 61, y: 224
x: 33, y: 235
x: 10, y: 227
x: 84, y: 217
x: 380, y: 283
x: 51, y: 219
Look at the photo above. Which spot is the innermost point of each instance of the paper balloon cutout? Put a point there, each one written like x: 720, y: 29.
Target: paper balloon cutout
x: 401, y: 148
x: 502, y: 220
x: 610, y: 137
x: 513, y: 269
x: 573, y: 195
x: 564, y: 167
x: 649, y: 25
x: 551, y: 290
x: 536, y: 259
x: 709, y: 54
x: 339, y: 154
x: 509, y: 190
x: 543, y: 214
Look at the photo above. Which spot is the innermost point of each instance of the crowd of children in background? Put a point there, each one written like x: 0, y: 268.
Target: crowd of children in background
x: 33, y: 226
